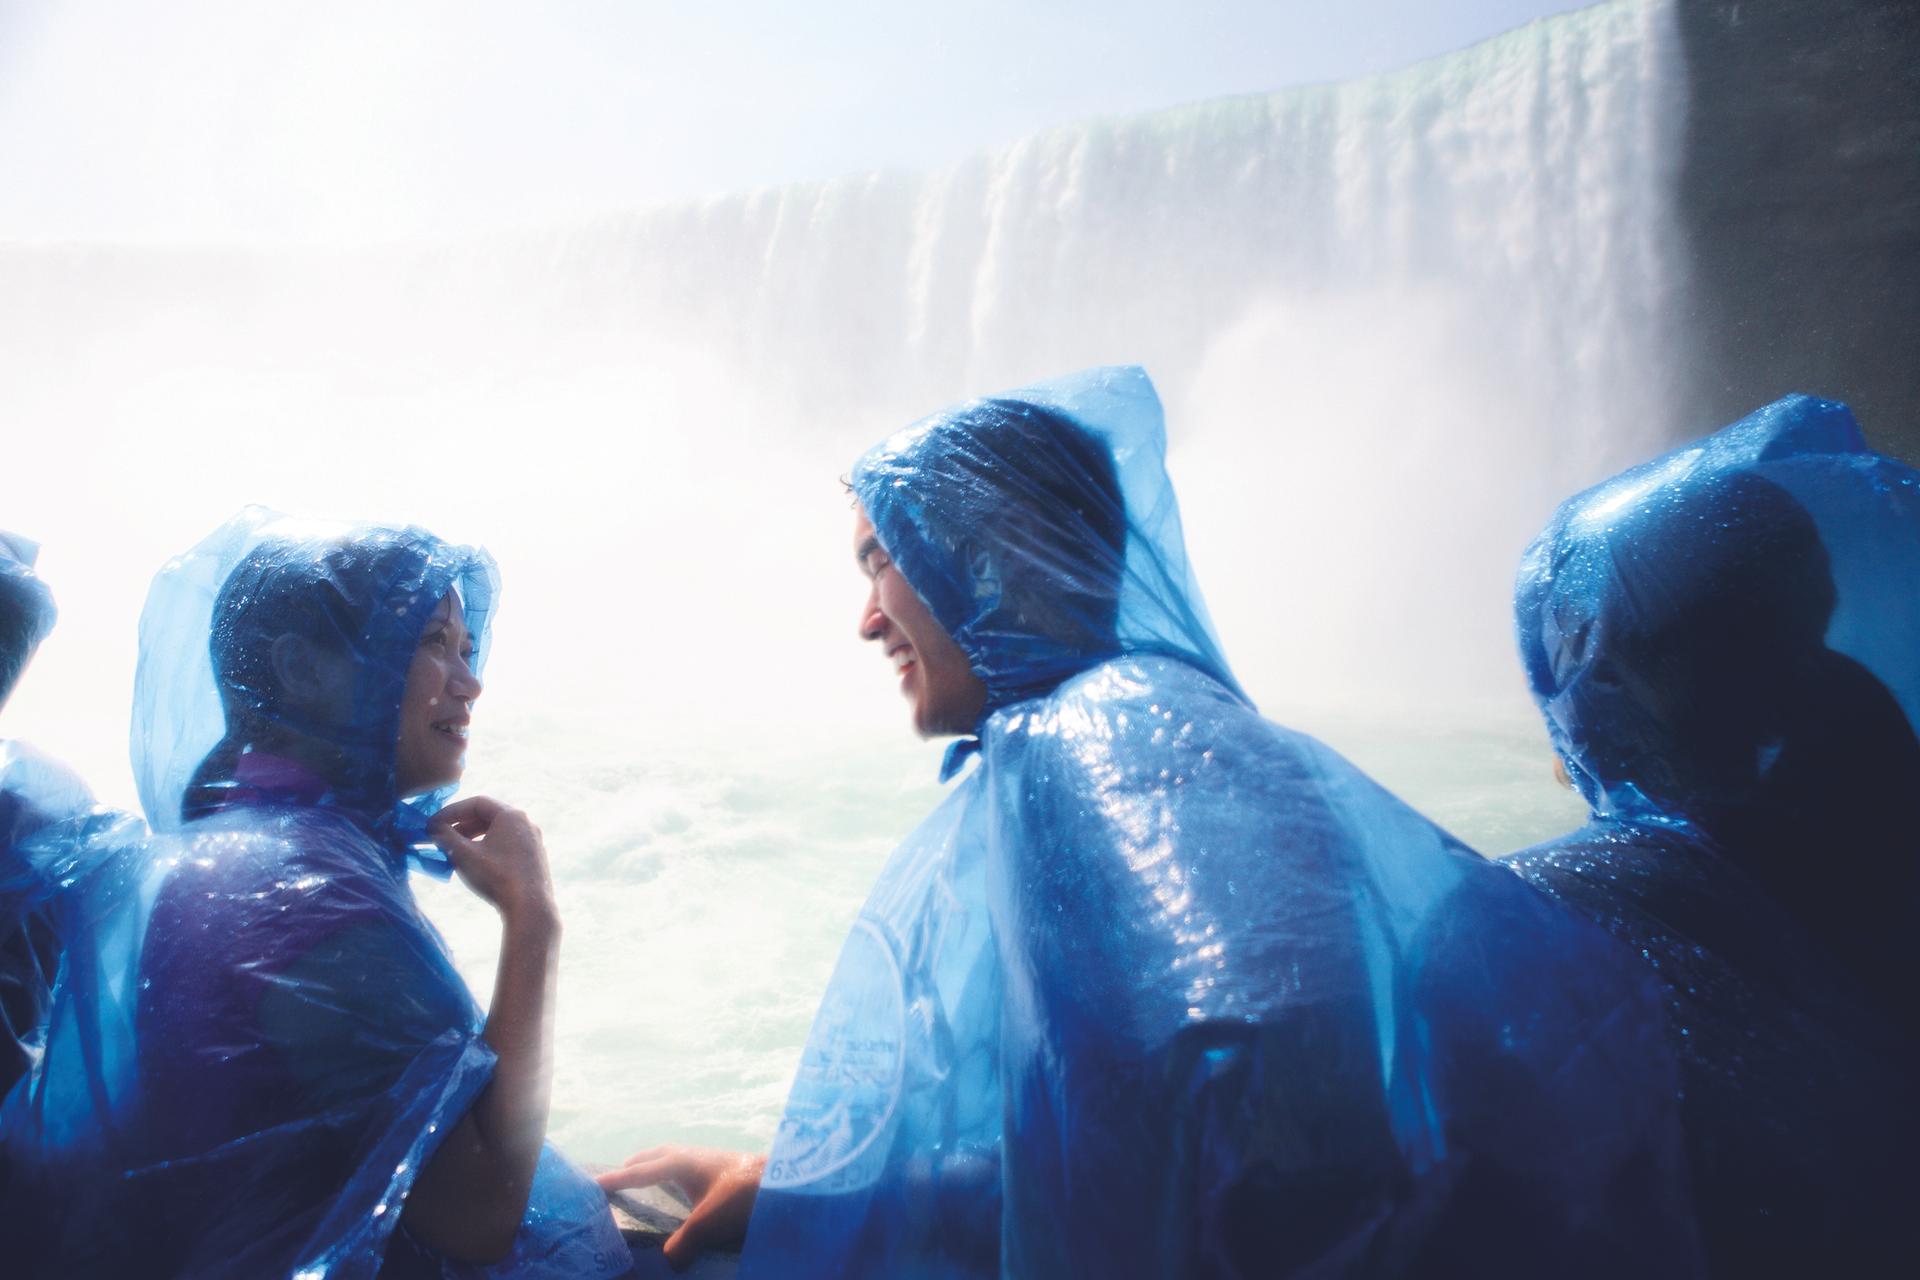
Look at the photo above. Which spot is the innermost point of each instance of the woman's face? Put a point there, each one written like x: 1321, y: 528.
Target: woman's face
x: 438, y: 703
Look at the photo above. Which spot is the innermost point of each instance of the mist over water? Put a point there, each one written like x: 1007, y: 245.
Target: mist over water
x: 1394, y: 322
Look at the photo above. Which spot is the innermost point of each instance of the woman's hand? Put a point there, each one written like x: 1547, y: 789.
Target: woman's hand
x: 471, y: 1196
x: 722, y: 1185
x: 499, y: 854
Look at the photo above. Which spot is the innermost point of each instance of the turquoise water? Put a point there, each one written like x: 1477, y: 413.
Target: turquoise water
x: 705, y: 896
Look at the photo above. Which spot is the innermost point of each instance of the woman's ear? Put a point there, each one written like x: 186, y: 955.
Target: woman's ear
x: 310, y: 678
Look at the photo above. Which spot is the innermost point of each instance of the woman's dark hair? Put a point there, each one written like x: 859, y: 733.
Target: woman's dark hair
x: 328, y: 594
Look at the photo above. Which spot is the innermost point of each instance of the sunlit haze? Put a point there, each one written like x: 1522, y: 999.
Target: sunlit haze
x: 620, y: 291
x: 229, y: 121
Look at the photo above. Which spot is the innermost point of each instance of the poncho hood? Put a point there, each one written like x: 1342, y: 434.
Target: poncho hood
x: 205, y: 694
x: 1694, y: 628
x: 1041, y: 531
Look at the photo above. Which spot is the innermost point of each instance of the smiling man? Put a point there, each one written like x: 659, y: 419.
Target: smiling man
x: 934, y: 674
x: 1162, y: 988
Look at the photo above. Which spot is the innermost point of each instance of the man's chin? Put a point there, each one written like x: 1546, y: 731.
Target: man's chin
x: 931, y: 725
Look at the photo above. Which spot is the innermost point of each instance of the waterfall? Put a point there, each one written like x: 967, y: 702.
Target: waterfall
x: 1518, y: 188
x: 1394, y: 320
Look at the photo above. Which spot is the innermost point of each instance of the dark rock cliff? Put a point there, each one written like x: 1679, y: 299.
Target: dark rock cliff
x: 1800, y: 202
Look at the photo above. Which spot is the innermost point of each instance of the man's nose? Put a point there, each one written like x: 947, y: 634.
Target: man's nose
x: 873, y: 622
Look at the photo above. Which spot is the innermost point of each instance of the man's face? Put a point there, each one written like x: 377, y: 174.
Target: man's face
x: 933, y: 671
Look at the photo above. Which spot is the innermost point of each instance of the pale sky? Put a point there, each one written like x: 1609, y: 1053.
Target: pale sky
x: 236, y: 120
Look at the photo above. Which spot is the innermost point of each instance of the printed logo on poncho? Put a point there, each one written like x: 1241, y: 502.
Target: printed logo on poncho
x: 846, y: 1094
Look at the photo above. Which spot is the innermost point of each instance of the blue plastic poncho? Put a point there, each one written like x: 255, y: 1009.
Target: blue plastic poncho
x: 1165, y: 989
x: 258, y: 1039
x: 37, y: 795
x: 1726, y: 645
x: 26, y: 609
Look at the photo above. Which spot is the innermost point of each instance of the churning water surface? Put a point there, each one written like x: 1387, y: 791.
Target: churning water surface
x: 705, y: 897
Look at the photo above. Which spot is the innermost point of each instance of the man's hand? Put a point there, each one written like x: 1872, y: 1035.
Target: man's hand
x: 721, y: 1184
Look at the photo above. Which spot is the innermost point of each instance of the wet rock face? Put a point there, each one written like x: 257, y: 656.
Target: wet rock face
x: 1799, y: 198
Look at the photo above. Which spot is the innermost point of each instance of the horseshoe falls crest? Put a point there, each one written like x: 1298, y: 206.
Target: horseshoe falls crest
x: 1394, y: 321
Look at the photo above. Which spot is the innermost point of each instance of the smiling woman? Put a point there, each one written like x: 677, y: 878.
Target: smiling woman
x: 290, y: 1056
x: 437, y: 706
x: 291, y: 627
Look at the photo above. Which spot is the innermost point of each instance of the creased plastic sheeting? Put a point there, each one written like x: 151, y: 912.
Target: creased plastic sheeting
x: 1049, y: 538
x: 1779, y: 546
x: 1256, y: 1017
x: 886, y: 1162
x: 42, y: 804
x: 258, y: 1040
x: 1725, y: 643
x: 36, y: 793
x: 1294, y: 1027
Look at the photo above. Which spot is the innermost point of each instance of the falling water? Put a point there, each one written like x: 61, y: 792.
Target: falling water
x: 1393, y: 320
